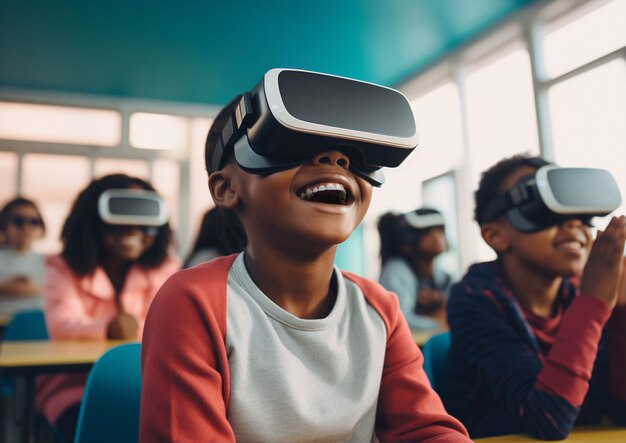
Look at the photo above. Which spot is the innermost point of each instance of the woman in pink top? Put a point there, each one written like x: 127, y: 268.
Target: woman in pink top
x: 102, y: 283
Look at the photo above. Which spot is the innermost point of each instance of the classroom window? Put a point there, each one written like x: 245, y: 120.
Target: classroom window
x: 166, y: 181
x: 440, y: 193
x: 438, y: 116
x: 8, y: 176
x: 158, y: 131
x: 53, y: 182
x: 59, y: 124
x: 578, y: 39
x: 199, y: 197
x: 501, y: 111
x: 588, y: 113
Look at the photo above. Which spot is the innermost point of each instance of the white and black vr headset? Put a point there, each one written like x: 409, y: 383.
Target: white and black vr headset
x: 292, y: 115
x: 132, y: 207
x: 552, y: 195
x: 431, y: 219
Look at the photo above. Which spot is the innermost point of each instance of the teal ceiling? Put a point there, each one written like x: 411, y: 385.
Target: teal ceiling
x: 205, y: 51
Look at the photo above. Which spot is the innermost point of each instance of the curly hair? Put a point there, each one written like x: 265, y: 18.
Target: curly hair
x: 491, y: 179
x: 82, y: 246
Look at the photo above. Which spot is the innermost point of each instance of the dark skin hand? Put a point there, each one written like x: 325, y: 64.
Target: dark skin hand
x: 602, y: 273
x: 123, y: 326
x: 621, y: 288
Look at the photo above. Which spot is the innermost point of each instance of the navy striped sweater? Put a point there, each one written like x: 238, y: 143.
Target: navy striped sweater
x: 505, y: 375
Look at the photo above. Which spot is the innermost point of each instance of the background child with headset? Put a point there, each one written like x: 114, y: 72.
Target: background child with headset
x: 275, y: 344
x: 528, y: 352
x: 22, y: 270
x: 409, y: 245
x: 114, y: 259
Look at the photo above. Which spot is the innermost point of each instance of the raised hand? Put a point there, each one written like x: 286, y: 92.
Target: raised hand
x: 123, y: 326
x: 605, y: 264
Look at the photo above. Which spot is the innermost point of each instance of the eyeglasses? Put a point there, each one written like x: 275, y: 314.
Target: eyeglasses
x: 21, y: 221
x: 106, y: 228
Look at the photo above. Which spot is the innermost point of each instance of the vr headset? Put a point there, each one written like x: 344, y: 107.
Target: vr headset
x: 424, y: 221
x: 291, y: 115
x: 135, y: 207
x: 552, y: 195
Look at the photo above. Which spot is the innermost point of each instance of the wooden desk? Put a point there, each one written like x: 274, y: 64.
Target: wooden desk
x: 27, y: 359
x: 592, y: 434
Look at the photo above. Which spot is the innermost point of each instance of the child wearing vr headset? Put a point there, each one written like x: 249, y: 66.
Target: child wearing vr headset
x: 22, y: 270
x: 116, y: 254
x: 409, y: 244
x: 275, y: 343
x: 539, y: 334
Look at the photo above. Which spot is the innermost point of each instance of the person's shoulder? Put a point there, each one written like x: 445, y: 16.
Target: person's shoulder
x: 207, y: 273
x: 384, y: 301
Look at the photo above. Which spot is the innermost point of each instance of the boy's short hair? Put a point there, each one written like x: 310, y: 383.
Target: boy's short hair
x: 215, y: 133
x: 491, y: 180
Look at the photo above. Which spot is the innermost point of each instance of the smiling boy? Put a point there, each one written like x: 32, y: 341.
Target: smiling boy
x: 276, y: 344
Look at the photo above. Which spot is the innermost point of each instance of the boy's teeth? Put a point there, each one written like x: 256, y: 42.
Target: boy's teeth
x: 308, y: 192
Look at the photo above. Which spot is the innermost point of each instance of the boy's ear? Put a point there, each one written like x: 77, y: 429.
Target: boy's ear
x: 222, y: 190
x: 495, y: 236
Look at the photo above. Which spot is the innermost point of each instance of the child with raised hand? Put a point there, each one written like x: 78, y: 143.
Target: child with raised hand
x: 116, y: 254
x: 275, y: 343
x: 409, y: 245
x: 533, y: 350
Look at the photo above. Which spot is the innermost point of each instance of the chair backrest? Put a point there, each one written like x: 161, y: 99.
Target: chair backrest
x: 26, y: 325
x: 435, y: 352
x: 109, y: 411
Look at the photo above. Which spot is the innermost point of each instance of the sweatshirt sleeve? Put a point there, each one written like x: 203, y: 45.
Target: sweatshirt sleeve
x: 66, y: 316
x: 184, y: 364
x: 545, y: 397
x: 617, y: 365
x: 409, y: 410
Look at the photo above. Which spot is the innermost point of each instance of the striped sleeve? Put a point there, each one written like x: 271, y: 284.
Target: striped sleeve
x: 617, y: 365
x: 545, y: 397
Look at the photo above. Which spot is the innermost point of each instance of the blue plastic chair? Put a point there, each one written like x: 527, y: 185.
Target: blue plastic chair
x: 435, y: 352
x: 24, y: 325
x: 109, y: 411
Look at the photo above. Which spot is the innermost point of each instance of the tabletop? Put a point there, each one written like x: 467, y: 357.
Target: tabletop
x: 44, y: 356
x: 594, y: 434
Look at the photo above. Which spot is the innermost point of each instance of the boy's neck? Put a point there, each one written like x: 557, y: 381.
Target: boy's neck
x: 535, y: 291
x: 299, y: 285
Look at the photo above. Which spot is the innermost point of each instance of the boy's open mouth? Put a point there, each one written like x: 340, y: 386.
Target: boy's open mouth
x: 326, y: 192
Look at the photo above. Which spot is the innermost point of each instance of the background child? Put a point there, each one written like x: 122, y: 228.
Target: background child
x: 275, y: 344
x: 409, y: 245
x: 22, y: 270
x: 99, y: 287
x: 220, y: 234
x: 524, y: 335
